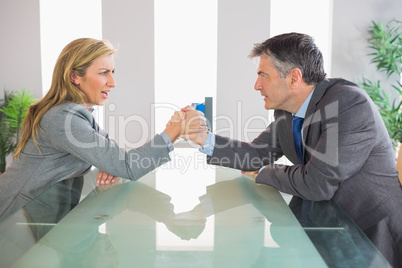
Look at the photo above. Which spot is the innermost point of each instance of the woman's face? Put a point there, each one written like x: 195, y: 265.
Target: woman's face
x: 97, y: 81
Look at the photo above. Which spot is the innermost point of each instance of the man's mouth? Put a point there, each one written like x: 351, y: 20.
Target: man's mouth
x: 105, y: 94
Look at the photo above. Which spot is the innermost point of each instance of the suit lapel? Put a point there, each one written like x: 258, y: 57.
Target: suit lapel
x: 285, y: 134
x: 319, y: 92
x: 289, y: 119
x: 284, y: 119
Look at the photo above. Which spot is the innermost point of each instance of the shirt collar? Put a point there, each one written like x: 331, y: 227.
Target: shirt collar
x: 303, y: 109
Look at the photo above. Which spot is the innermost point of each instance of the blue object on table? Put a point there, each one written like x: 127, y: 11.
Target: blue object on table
x: 200, y: 107
x: 206, y: 108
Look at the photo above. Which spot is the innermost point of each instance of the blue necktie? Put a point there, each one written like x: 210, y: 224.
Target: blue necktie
x: 306, y: 205
x: 296, y: 128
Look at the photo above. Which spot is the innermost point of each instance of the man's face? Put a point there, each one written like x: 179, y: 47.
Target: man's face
x: 273, y: 88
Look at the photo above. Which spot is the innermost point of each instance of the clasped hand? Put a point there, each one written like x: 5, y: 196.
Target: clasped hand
x: 193, y: 123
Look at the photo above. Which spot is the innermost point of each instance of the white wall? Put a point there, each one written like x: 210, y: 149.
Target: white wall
x: 57, y: 29
x: 240, y: 25
x: 350, y: 47
x: 302, y: 18
x: 129, y: 24
x: 185, y: 55
x: 20, y: 64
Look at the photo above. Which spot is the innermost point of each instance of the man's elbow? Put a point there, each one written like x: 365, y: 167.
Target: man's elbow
x: 324, y: 193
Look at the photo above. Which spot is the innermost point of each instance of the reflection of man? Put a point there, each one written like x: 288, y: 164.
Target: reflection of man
x: 345, y: 152
x: 237, y: 193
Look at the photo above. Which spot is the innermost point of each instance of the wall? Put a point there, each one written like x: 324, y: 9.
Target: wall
x: 350, y: 47
x: 240, y: 25
x: 20, y: 46
x: 129, y: 24
x: 20, y: 65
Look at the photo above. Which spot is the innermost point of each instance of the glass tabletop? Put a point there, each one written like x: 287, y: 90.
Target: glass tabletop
x: 186, y: 214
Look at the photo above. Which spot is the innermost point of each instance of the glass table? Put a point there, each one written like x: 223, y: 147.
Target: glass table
x: 185, y: 214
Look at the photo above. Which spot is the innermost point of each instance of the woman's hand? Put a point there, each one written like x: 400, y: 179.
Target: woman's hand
x: 253, y: 173
x: 186, y: 123
x: 105, y: 178
x: 177, y: 117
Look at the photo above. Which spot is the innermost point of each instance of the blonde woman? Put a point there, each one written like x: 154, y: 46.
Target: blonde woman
x: 60, y: 138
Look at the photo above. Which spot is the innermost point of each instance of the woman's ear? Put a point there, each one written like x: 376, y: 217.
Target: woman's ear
x: 74, y: 78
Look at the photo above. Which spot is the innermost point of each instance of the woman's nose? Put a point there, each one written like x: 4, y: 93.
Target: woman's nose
x: 111, y: 81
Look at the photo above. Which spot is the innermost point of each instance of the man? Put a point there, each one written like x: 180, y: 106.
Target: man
x: 345, y: 153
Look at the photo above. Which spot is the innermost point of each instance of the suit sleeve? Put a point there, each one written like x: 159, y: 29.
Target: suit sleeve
x: 346, y: 136
x: 72, y: 132
x: 247, y: 156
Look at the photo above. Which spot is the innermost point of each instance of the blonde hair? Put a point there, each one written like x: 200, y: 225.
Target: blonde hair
x: 77, y: 56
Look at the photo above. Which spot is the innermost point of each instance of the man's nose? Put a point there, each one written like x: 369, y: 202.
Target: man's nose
x: 257, y: 85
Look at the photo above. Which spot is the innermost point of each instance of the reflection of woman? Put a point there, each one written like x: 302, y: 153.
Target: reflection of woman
x: 51, y: 206
x: 60, y: 138
x: 85, y: 246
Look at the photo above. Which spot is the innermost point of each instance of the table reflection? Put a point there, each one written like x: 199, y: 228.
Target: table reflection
x: 185, y: 178
x: 115, y: 227
x: 47, y: 210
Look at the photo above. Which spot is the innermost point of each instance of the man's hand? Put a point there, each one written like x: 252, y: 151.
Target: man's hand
x: 198, y: 137
x: 194, y: 122
x: 187, y: 124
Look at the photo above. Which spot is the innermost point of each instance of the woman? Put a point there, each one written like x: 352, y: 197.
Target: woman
x: 60, y: 138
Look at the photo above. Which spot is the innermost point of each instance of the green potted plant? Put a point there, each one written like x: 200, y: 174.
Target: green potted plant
x: 13, y: 109
x: 386, y: 45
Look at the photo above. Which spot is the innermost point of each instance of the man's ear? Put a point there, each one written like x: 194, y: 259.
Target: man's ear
x: 296, y: 78
x: 74, y: 78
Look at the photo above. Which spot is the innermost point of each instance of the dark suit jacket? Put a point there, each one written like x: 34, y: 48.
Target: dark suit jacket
x: 348, y: 157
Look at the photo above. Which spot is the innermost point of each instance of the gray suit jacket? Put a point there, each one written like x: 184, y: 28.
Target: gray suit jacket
x: 71, y: 142
x: 348, y: 157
